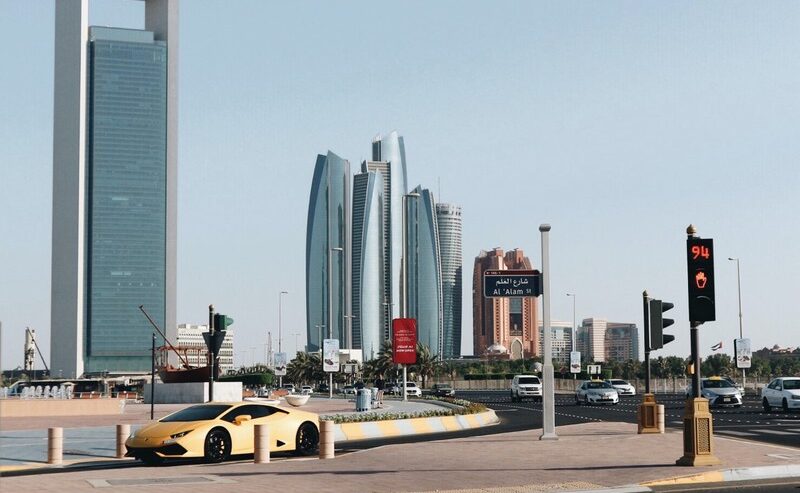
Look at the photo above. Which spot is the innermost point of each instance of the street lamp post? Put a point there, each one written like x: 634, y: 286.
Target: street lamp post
x: 739, y: 288
x: 574, y: 329
x: 404, y: 292
x: 280, y: 328
x: 330, y: 310
x: 548, y: 405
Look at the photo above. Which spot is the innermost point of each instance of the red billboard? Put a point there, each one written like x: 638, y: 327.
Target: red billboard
x: 404, y: 341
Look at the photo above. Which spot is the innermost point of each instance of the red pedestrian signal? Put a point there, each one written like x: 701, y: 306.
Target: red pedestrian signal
x: 700, y: 263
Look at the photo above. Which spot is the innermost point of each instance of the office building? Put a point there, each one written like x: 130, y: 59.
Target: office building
x: 114, y: 188
x: 368, y: 321
x: 561, y: 340
x: 599, y: 340
x: 389, y: 158
x: 503, y: 327
x: 423, y: 276
x: 328, y: 253
x: 190, y: 343
x: 448, y: 220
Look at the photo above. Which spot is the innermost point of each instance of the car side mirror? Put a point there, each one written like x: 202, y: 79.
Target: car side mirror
x: 241, y: 419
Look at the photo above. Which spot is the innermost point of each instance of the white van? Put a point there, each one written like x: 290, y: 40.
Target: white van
x: 523, y: 386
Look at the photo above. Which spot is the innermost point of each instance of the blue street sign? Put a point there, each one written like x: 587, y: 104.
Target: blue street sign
x: 512, y: 283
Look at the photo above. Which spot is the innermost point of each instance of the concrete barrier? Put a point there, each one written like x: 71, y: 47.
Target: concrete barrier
x: 261, y: 444
x: 413, y: 426
x: 327, y: 438
x: 123, y: 432
x: 55, y: 445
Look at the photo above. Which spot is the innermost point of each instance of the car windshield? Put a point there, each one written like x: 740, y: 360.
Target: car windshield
x: 202, y: 412
x: 716, y: 384
x: 598, y: 385
x: 442, y: 386
x: 619, y: 382
x: 791, y: 384
x: 529, y: 380
x: 410, y: 384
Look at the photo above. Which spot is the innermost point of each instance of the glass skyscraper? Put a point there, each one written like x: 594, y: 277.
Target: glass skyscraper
x: 114, y: 189
x: 448, y: 220
x: 424, y: 290
x: 368, y: 262
x: 328, y: 252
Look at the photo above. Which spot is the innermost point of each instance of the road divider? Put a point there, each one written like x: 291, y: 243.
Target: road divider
x: 413, y: 426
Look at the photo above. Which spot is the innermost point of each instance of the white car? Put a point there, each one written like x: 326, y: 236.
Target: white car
x: 623, y: 387
x: 783, y: 392
x: 306, y: 390
x: 596, y: 392
x: 718, y: 391
x: 523, y: 386
x: 412, y: 389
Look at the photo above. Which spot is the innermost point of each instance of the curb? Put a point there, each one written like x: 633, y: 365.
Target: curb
x: 737, y: 474
x: 345, y: 432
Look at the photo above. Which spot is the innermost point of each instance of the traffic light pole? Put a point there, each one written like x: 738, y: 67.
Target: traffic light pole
x: 651, y: 414
x: 646, y: 307
x: 213, y: 355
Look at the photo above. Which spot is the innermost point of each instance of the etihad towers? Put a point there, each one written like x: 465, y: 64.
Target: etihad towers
x: 114, y: 188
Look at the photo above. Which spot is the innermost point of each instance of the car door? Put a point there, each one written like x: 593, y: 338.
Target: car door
x: 771, y: 392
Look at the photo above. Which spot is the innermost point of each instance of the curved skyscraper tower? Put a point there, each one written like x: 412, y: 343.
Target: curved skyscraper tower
x: 448, y: 219
x: 424, y: 277
x: 367, y: 262
x: 389, y: 158
x: 327, y: 252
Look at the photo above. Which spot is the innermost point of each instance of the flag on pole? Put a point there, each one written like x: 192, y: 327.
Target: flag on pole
x: 717, y: 346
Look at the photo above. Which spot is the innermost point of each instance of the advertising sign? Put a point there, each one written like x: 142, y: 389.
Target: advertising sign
x: 330, y: 355
x: 280, y: 364
x: 404, y: 341
x: 512, y: 283
x: 593, y: 369
x: 575, y: 362
x: 744, y: 355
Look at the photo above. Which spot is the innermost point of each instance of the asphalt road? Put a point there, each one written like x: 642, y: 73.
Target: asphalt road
x: 749, y: 421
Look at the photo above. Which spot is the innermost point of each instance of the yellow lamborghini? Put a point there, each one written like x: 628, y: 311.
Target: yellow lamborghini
x: 215, y: 431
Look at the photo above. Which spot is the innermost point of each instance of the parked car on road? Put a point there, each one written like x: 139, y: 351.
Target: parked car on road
x: 443, y: 390
x: 392, y: 388
x: 731, y: 381
x: 523, y: 386
x: 623, y: 388
x: 719, y: 392
x: 783, y: 392
x: 289, y: 387
x: 306, y: 390
x: 596, y: 392
x: 349, y: 390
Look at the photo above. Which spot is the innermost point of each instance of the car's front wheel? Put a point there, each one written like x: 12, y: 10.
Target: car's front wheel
x: 785, y: 405
x: 307, y: 439
x: 217, y: 446
x: 765, y: 404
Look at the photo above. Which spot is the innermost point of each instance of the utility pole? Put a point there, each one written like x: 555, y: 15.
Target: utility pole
x: 548, y: 391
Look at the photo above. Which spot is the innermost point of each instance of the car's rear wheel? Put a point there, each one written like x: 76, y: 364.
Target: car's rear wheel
x: 307, y: 439
x: 218, y: 445
x: 785, y: 405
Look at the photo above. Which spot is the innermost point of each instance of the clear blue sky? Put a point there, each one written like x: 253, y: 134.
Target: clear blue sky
x: 617, y: 122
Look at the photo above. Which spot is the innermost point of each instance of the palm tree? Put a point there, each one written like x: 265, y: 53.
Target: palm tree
x: 426, y: 364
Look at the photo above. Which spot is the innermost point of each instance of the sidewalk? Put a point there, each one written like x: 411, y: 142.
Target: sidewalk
x: 586, y: 456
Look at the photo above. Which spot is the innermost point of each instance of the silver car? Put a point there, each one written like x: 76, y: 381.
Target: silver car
x: 623, y: 388
x: 596, y: 392
x: 719, y: 392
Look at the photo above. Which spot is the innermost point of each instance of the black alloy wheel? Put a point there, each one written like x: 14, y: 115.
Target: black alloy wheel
x: 218, y: 445
x: 785, y: 405
x: 307, y: 439
x: 767, y: 407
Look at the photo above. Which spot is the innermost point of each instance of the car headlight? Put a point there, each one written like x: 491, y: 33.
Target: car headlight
x: 181, y: 434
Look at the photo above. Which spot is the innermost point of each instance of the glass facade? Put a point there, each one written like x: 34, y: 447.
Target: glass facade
x: 327, y: 234
x: 448, y: 219
x: 126, y: 197
x: 367, y: 263
x: 424, y: 269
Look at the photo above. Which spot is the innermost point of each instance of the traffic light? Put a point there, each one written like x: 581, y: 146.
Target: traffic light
x: 700, y: 259
x: 221, y: 322
x: 657, y: 324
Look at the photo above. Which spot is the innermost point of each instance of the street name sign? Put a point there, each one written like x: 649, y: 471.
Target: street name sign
x: 512, y: 283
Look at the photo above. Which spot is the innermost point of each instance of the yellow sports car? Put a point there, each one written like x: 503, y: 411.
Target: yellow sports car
x: 218, y: 430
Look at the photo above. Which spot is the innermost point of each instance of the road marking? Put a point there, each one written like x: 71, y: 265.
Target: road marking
x: 775, y: 432
x: 737, y: 433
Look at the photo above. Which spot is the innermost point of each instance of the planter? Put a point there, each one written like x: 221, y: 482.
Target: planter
x: 296, y: 400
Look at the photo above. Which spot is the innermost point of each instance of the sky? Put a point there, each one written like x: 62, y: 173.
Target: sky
x: 619, y: 123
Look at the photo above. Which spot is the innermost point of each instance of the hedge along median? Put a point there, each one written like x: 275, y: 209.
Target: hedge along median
x: 461, y: 415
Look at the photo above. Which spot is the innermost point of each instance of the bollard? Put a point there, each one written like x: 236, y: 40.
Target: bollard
x: 326, y: 439
x: 123, y: 432
x: 261, y: 444
x: 55, y: 445
x: 660, y: 417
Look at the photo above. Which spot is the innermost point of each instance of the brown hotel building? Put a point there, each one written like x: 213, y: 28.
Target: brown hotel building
x: 503, y: 327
